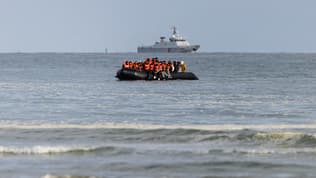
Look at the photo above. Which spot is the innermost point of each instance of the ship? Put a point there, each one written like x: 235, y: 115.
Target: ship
x: 176, y: 44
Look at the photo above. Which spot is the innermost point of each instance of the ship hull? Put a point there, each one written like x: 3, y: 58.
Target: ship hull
x: 149, y: 49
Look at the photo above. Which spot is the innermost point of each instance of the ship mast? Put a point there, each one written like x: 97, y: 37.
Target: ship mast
x: 175, y: 36
x: 174, y: 29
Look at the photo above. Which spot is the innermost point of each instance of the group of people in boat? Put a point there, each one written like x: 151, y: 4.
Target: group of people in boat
x: 157, y: 69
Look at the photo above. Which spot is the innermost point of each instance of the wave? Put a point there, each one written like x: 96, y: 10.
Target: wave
x: 44, y: 150
x: 208, y: 127
x: 240, y: 143
x: 264, y: 151
x: 180, y: 142
x: 286, y: 139
x: 214, y: 166
x: 65, y: 176
x: 240, y: 137
x: 254, y: 136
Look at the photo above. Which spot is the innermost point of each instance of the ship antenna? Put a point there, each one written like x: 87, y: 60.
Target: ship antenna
x: 174, y: 30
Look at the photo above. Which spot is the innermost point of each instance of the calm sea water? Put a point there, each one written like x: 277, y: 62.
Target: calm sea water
x: 249, y: 115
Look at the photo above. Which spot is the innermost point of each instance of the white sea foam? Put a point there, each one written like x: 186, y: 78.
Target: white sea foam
x: 44, y: 150
x: 271, y: 150
x: 38, y: 150
x: 209, y: 127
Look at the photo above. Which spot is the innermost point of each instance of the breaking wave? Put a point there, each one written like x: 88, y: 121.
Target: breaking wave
x: 209, y: 127
x: 112, y: 138
x: 44, y: 150
x: 287, y: 138
x: 130, y: 141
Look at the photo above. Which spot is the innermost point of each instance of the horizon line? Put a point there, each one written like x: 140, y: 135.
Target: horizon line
x: 131, y: 52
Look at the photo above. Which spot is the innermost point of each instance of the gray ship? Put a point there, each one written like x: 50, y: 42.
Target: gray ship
x: 176, y: 44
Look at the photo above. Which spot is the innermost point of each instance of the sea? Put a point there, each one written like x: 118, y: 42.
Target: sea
x: 250, y: 115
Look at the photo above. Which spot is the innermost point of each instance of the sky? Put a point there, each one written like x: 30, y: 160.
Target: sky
x: 122, y: 25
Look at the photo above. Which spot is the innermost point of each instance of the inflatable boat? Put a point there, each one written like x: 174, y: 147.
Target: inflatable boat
x: 131, y: 74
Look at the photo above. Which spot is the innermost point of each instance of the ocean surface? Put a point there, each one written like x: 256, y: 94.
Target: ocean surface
x: 65, y: 115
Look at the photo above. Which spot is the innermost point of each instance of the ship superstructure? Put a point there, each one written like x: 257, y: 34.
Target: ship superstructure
x: 175, y: 44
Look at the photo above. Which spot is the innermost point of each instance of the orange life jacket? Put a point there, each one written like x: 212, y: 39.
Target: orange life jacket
x: 130, y: 65
x: 147, y: 67
x: 125, y: 65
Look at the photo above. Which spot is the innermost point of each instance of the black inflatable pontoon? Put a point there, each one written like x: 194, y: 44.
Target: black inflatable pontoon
x: 131, y: 74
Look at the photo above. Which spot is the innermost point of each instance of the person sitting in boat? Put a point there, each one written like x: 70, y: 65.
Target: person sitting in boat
x: 183, y: 67
x: 125, y: 65
x: 170, y: 67
x: 176, y: 65
x: 165, y: 74
x: 130, y: 65
x: 155, y: 68
x: 146, y: 66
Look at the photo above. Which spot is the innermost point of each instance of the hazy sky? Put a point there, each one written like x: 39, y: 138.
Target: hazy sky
x: 122, y: 25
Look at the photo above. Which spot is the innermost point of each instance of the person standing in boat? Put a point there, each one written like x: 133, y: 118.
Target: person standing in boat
x: 183, y: 67
x: 176, y: 66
